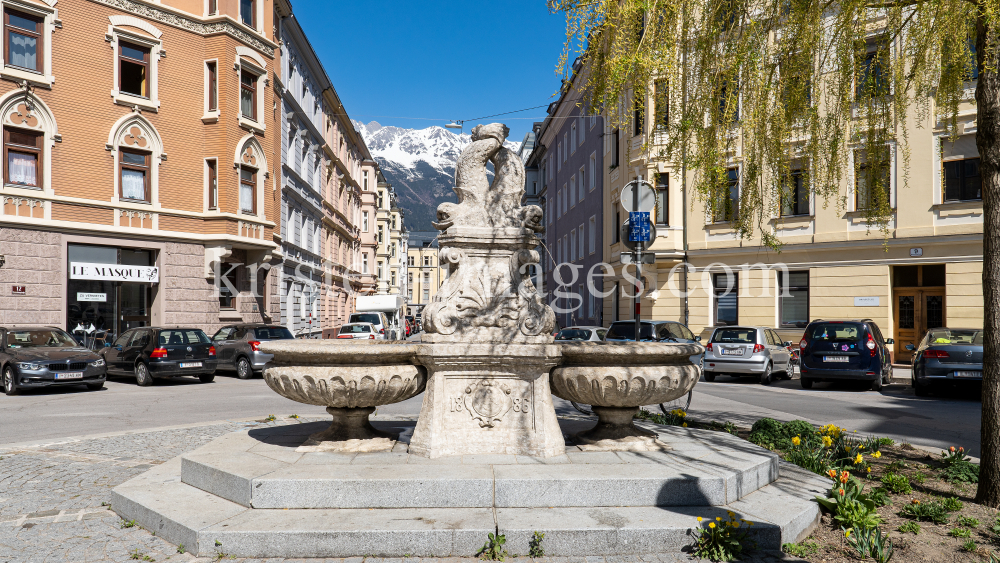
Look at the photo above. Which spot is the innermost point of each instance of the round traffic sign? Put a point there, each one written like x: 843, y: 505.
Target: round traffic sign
x: 646, y: 200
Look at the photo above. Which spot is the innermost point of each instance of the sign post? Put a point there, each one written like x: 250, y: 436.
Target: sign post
x: 638, y: 198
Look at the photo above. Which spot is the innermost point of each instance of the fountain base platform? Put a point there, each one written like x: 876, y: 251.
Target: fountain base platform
x: 254, y: 494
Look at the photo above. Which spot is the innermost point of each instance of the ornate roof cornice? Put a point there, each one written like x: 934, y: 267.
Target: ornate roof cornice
x: 187, y: 23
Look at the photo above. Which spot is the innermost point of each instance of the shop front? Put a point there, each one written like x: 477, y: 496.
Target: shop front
x: 109, y: 290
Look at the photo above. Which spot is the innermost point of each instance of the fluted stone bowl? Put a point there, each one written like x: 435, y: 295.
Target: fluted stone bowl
x: 351, y: 379
x: 618, y: 378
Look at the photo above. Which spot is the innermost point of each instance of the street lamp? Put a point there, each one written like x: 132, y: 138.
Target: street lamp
x: 456, y: 125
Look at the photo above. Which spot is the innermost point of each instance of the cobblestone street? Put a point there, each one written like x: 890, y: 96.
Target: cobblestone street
x: 54, y: 500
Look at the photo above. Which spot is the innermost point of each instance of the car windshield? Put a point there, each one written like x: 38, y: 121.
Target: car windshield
x: 573, y: 334
x: 626, y: 330
x: 273, y: 333
x: 828, y: 332
x: 366, y: 318
x: 354, y: 329
x: 40, y: 338
x: 735, y: 336
x: 967, y: 337
x: 181, y: 337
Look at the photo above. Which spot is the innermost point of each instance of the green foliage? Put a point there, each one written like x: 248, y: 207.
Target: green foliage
x: 968, y: 522
x: 895, y: 466
x: 872, y: 543
x: 953, y: 456
x: 535, y: 545
x: 493, y: 549
x: 135, y: 555
x: 930, y: 511
x: 880, y: 496
x: 961, y: 472
x: 919, y: 478
x: 673, y: 418
x: 728, y: 426
x: 815, y: 459
x: 909, y: 527
x: 897, y: 483
x: 960, y: 533
x: 293, y: 416
x: 851, y: 508
x: 995, y: 527
x: 803, y: 550
x: 952, y: 504
x: 270, y: 418
x: 721, y: 540
x: 970, y: 546
x: 767, y: 433
x: 180, y: 548
x: 126, y: 524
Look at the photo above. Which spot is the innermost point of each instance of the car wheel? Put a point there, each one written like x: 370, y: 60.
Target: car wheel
x: 243, y: 369
x: 921, y: 390
x: 709, y: 377
x: 877, y: 384
x: 142, y: 376
x: 806, y: 383
x: 765, y: 378
x: 8, y: 381
x: 207, y: 378
x: 95, y: 386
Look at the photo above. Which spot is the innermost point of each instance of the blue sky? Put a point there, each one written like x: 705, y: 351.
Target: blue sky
x: 437, y: 59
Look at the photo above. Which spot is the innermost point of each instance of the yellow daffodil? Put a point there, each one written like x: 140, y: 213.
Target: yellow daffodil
x: 796, y: 440
x: 858, y: 459
x: 711, y: 524
x: 699, y: 518
x: 749, y: 523
x: 869, y: 469
x: 827, y: 441
x: 847, y: 532
x: 718, y: 518
x: 731, y: 514
x: 877, y: 455
x: 685, y: 425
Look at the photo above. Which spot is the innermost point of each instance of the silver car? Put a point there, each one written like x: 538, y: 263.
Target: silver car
x: 747, y: 350
x: 238, y: 347
x: 582, y: 333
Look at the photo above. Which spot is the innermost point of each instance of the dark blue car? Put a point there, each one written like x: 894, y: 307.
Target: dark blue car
x: 845, y: 351
x: 947, y: 356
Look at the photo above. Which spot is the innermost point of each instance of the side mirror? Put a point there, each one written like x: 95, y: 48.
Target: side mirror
x: 910, y: 347
x: 119, y: 348
x: 889, y: 341
x: 788, y: 343
x: 697, y: 339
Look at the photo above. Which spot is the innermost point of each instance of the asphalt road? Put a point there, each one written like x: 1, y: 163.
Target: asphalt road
x: 941, y: 421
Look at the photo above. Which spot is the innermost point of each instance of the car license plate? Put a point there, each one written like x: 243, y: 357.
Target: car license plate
x: 844, y: 359
x: 70, y: 375
x: 732, y: 352
x: 190, y: 364
x: 976, y: 374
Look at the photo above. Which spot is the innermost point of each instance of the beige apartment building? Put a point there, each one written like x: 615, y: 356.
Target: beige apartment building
x: 927, y: 271
x: 424, y: 274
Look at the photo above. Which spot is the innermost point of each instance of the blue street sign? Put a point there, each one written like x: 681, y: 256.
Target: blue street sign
x: 638, y: 226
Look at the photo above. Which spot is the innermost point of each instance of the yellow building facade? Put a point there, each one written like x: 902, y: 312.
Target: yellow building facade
x: 424, y: 275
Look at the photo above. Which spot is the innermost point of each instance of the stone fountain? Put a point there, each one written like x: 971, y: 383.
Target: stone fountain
x: 487, y: 453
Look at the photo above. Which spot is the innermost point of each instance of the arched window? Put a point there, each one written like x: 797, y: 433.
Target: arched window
x: 138, y: 151
x: 29, y: 131
x: 252, y: 167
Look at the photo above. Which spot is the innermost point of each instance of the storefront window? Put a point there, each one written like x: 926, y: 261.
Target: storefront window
x: 726, y: 297
x: 793, y: 296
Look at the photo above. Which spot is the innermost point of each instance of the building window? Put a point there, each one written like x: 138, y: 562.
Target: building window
x: 873, y: 75
x: 617, y: 227
x: 572, y: 191
x: 364, y: 263
x: 793, y: 298
x: 23, y: 155
x: 427, y: 260
x: 580, y: 247
x: 213, y: 7
x: 662, y: 105
x: 871, y: 183
x: 248, y: 95
x: 572, y: 245
x: 615, y: 148
x: 133, y: 69
x: 392, y: 278
x: 213, y: 86
x: 616, y: 303
x: 962, y: 181
x: 729, y: 103
x: 638, y: 107
x: 565, y: 147
x: 662, y: 198
x: 572, y: 138
x: 364, y: 221
x: 583, y: 129
x: 379, y: 271
x: 728, y: 209
x: 248, y: 13
x: 725, y: 293
x: 592, y: 235
x: 213, y: 183
x: 227, y: 298
x: 795, y: 195
x: 24, y: 40
x: 582, y: 185
x: 593, y: 170
x: 365, y: 184
x: 133, y: 170
x: 248, y: 189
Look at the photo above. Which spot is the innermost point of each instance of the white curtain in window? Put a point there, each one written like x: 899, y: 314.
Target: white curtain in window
x: 23, y: 50
x: 133, y: 184
x: 22, y: 168
x: 246, y: 198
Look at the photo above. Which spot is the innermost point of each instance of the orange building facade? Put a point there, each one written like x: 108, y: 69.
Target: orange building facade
x: 141, y: 164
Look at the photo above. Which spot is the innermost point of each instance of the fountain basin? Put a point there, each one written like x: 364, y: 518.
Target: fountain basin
x: 351, y: 380
x: 618, y: 378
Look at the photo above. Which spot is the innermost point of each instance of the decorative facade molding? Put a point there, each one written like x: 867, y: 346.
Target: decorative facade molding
x: 176, y: 20
x: 242, y: 51
x: 131, y: 21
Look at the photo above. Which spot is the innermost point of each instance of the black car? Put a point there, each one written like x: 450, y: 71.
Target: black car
x: 42, y: 357
x: 947, y: 355
x: 844, y: 350
x: 654, y: 331
x: 157, y: 353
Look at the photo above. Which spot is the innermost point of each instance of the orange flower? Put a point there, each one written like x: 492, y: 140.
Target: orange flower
x: 832, y: 473
x: 952, y: 449
x: 915, y: 501
x: 841, y: 491
x: 844, y: 476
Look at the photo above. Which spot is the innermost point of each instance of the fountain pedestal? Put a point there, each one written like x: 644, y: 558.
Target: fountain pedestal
x: 487, y: 399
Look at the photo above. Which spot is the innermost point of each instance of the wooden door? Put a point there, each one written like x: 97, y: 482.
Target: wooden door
x: 915, y: 311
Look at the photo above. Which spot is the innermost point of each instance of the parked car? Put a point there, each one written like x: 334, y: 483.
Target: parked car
x: 844, y: 350
x: 237, y: 347
x: 159, y: 353
x: 414, y: 324
x: 755, y: 351
x: 654, y: 331
x: 360, y: 330
x: 582, y: 333
x: 947, y: 355
x: 41, y: 357
x: 379, y: 320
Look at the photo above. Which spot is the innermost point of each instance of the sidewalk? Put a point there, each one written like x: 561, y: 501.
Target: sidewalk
x: 54, y: 499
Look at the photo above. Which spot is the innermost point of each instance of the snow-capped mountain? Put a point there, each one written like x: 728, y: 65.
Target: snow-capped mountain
x: 420, y: 164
